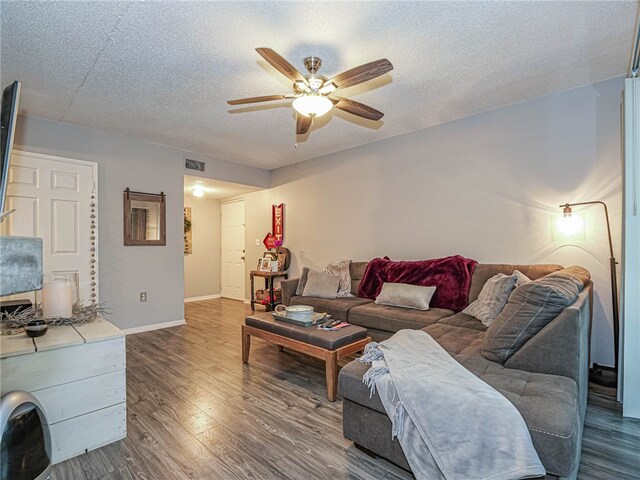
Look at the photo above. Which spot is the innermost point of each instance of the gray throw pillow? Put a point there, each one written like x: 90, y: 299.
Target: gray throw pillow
x: 522, y: 278
x: 492, y: 299
x: 405, y: 296
x: 302, y: 282
x: 321, y: 285
x: 530, y: 308
x: 341, y: 269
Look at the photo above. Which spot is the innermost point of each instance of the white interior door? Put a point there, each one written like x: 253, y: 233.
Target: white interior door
x: 52, y: 198
x: 233, y: 250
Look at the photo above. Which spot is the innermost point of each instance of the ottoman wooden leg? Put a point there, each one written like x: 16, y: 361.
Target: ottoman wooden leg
x: 331, y: 359
x: 246, y: 345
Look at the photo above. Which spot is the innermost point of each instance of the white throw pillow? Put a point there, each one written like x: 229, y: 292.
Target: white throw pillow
x: 341, y: 269
x: 321, y: 285
x: 405, y: 295
x: 492, y: 299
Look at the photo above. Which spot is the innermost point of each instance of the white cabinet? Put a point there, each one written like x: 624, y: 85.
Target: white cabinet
x: 78, y: 375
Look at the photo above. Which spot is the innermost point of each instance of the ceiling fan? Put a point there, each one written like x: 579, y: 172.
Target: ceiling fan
x: 313, y: 93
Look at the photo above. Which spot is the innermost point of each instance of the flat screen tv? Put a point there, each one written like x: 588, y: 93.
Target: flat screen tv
x: 9, y: 118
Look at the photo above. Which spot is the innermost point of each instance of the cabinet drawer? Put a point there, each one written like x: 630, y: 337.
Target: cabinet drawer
x: 62, y: 365
x: 83, y: 396
x: 87, y: 432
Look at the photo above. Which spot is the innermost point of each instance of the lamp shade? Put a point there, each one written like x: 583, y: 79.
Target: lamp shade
x: 570, y: 224
x: 312, y: 105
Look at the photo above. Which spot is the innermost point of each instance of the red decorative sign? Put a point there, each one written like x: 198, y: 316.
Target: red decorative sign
x: 277, y: 222
x: 275, y: 239
x: 269, y: 241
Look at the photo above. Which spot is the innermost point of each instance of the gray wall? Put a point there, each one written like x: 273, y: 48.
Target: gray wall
x: 202, y: 267
x: 142, y: 166
x: 486, y: 187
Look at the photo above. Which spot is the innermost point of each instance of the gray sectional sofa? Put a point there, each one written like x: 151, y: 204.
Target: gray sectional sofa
x: 546, y: 380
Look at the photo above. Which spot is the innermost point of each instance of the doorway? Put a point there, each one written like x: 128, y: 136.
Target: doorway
x: 215, y: 238
x: 233, y: 249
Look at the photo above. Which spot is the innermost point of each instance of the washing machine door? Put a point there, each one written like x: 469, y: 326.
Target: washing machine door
x: 25, y: 446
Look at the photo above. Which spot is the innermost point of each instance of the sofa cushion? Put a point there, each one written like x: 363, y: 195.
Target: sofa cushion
x: 303, y: 281
x: 350, y: 386
x: 356, y: 270
x: 548, y: 404
x: 530, y: 308
x: 462, y: 319
x: 484, y: 271
x: 336, y: 307
x: 455, y: 339
x: 392, y: 319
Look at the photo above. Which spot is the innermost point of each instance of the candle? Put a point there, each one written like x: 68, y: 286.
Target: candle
x: 57, y: 299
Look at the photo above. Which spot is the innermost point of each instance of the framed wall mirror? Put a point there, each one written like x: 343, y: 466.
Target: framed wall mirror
x: 144, y: 219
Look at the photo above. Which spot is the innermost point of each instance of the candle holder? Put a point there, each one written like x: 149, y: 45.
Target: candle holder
x: 59, y: 295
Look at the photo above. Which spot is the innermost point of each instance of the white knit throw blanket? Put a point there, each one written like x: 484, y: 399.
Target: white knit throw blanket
x: 451, y: 425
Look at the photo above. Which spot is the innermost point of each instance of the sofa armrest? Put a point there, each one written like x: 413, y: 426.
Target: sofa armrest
x: 289, y: 288
x: 562, y: 347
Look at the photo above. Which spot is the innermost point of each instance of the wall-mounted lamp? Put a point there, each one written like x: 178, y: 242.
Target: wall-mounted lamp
x: 198, y: 191
x: 570, y: 224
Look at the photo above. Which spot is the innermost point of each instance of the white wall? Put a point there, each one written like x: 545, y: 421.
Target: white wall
x: 486, y: 187
x: 202, y: 267
x: 142, y: 166
x: 630, y: 331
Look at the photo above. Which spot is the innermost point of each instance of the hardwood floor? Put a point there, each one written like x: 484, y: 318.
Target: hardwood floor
x: 195, y: 412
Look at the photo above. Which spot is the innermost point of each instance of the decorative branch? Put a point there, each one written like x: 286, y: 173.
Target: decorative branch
x: 81, y: 314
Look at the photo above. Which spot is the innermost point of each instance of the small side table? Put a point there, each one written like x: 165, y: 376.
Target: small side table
x: 269, y: 278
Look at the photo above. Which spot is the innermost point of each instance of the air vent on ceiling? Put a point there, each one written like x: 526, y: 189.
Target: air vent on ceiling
x: 193, y: 165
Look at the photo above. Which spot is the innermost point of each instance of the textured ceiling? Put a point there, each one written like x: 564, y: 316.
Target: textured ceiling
x: 215, y: 189
x: 163, y: 71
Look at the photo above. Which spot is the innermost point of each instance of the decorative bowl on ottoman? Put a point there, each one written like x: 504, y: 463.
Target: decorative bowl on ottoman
x: 300, y: 313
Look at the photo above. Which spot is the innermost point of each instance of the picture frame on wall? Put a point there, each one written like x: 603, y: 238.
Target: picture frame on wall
x: 188, y: 241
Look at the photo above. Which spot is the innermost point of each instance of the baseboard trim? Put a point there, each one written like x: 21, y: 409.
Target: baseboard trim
x: 153, y: 326
x: 204, y: 297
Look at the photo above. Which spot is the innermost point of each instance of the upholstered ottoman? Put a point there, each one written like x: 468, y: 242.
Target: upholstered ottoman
x: 328, y: 345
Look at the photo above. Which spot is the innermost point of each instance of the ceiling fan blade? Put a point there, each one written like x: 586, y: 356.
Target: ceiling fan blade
x: 361, y: 74
x: 280, y: 64
x: 264, y: 98
x: 302, y: 124
x: 357, y: 108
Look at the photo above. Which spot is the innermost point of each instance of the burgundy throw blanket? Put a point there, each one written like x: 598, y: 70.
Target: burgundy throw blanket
x: 450, y: 275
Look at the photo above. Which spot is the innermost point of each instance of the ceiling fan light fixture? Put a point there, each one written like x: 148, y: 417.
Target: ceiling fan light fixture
x: 312, y: 105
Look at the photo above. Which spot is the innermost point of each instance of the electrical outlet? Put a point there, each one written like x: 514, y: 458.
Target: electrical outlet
x: 143, y: 296
x: 257, y: 242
